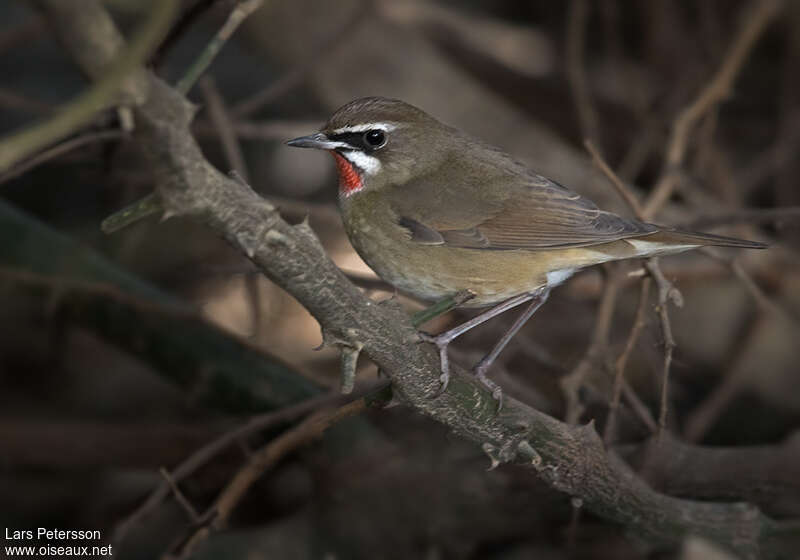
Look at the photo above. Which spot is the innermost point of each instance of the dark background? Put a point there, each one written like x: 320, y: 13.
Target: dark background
x: 107, y: 343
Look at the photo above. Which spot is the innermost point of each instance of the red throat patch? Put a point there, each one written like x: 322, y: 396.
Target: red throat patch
x: 349, y: 179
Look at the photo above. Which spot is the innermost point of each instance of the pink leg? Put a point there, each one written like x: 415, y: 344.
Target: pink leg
x: 444, y: 339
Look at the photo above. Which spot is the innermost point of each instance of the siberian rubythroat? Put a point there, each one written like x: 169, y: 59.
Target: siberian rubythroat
x: 434, y: 212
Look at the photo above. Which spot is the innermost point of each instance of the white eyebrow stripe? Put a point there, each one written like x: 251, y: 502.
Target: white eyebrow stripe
x: 384, y: 126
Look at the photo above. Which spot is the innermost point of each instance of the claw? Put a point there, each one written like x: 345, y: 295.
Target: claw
x: 440, y: 343
x: 497, y: 391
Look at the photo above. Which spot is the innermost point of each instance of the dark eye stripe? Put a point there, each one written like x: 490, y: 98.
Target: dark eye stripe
x: 354, y: 139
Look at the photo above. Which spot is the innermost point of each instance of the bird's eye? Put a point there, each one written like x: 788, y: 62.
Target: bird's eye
x: 374, y: 138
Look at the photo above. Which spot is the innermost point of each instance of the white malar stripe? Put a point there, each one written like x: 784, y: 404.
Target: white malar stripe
x: 654, y: 248
x: 556, y: 277
x: 386, y: 127
x: 368, y: 164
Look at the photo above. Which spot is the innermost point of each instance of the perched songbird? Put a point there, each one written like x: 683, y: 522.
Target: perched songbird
x: 435, y: 212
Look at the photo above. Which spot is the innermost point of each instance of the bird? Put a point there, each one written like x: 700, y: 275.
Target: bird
x: 435, y: 212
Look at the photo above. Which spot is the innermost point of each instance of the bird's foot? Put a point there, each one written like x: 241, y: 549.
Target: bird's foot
x: 497, y: 391
x: 441, y: 342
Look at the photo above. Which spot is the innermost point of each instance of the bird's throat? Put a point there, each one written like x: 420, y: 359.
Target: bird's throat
x: 349, y: 178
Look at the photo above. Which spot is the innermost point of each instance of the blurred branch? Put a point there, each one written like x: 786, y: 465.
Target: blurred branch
x: 738, y: 376
x: 183, y: 22
x: 23, y: 33
x: 212, y: 366
x: 294, y: 77
x: 205, y: 454
x: 753, y: 216
x: 263, y: 130
x: 17, y: 102
x: 754, y: 20
x: 242, y: 10
x: 262, y: 460
x: 58, y: 150
x: 220, y: 120
x: 64, y: 444
x: 627, y: 194
x: 571, y: 459
x: 765, y: 475
x: 622, y: 361
x: 598, y: 347
x: 577, y: 16
x: 100, y: 96
x: 666, y: 293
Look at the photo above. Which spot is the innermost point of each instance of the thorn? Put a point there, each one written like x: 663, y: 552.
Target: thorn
x: 233, y: 174
x: 275, y: 237
x: 349, y: 362
x: 126, y: 120
x: 490, y: 450
x: 526, y: 450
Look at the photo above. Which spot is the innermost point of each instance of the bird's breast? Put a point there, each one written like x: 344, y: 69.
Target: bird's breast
x: 433, y: 272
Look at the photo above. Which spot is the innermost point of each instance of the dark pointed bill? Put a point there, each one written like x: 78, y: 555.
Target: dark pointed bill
x: 319, y: 141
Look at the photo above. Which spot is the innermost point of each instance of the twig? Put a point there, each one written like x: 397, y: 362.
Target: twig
x: 298, y: 73
x: 746, y: 216
x: 242, y: 10
x: 18, y: 102
x: 23, y: 33
x: 754, y: 20
x: 666, y: 293
x: 665, y: 288
x: 638, y: 407
x: 220, y: 118
x: 764, y: 302
x: 252, y: 289
x: 577, y: 17
x: 182, y: 24
x: 598, y: 346
x: 264, y: 459
x: 256, y: 424
x: 60, y: 149
x: 700, y: 420
x: 622, y: 360
x: 626, y: 194
x: 782, y: 151
x: 574, y: 524
x: 179, y: 496
x: 132, y: 213
x: 268, y: 130
x: 441, y: 307
x: 101, y: 95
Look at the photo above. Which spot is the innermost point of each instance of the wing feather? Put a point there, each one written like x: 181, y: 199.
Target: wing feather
x: 536, y: 214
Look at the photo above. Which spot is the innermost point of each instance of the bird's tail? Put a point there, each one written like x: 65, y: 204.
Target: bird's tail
x: 671, y: 236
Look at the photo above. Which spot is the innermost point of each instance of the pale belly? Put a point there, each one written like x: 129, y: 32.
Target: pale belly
x: 433, y: 272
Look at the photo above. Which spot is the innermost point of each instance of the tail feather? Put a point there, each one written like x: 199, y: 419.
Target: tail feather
x: 681, y: 237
